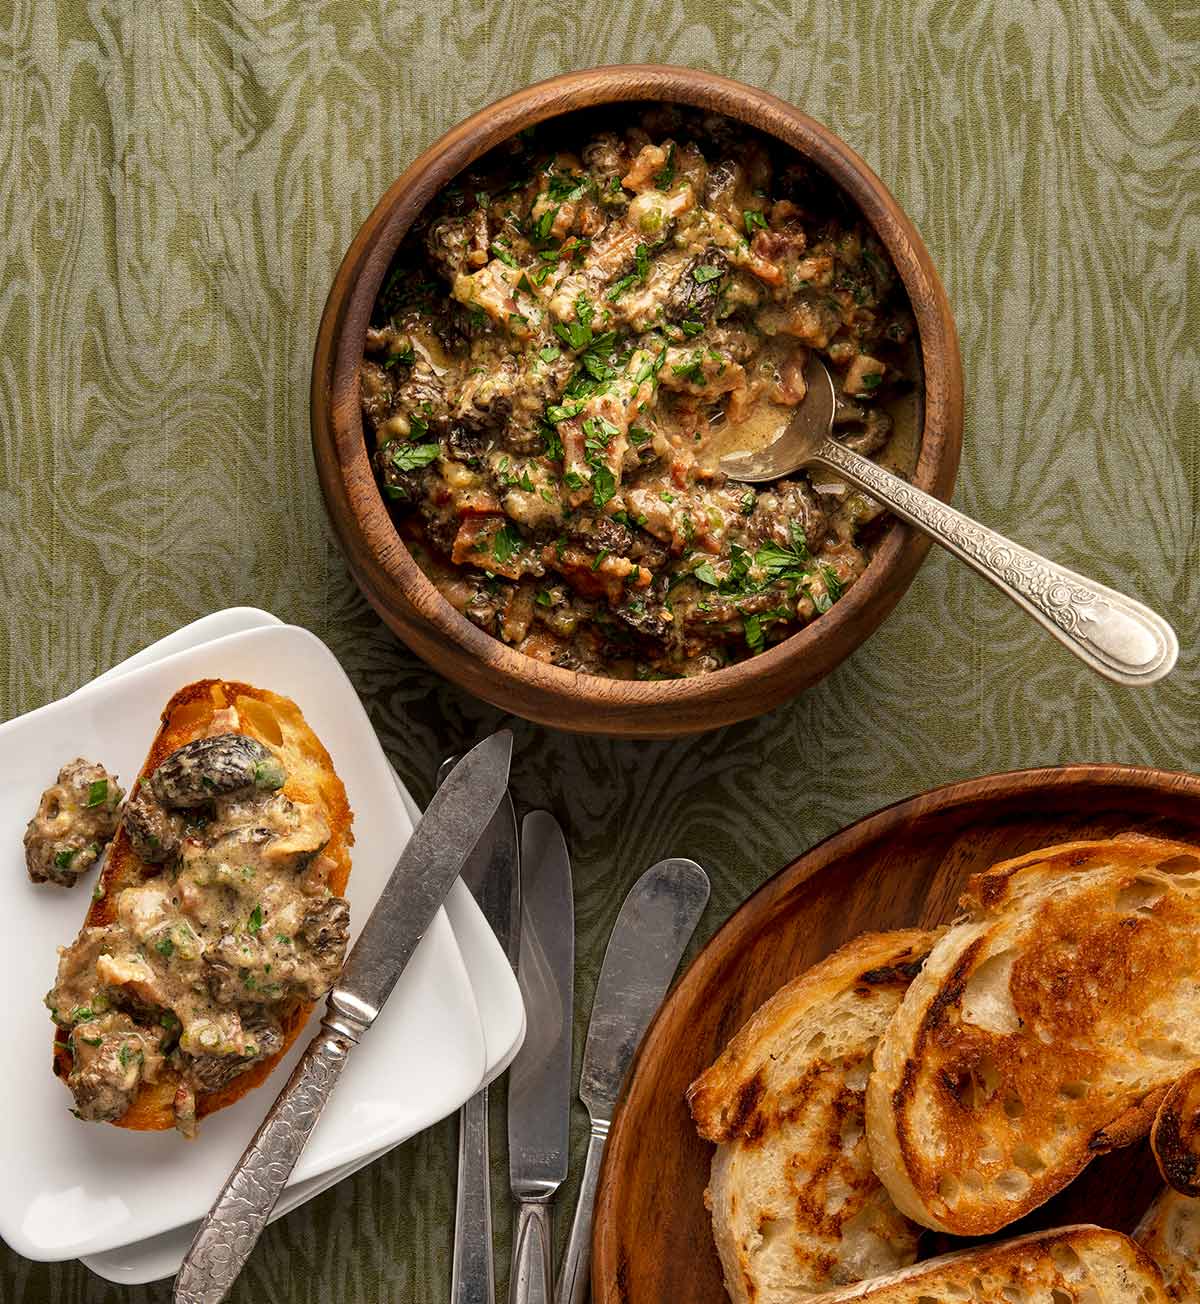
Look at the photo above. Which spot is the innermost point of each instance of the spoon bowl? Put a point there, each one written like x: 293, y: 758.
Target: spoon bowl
x: 1119, y: 637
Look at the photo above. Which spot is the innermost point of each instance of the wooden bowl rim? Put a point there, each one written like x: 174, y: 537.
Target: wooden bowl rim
x: 337, y: 429
x: 817, y: 859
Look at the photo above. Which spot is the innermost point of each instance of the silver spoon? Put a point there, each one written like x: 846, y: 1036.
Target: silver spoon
x: 1119, y: 638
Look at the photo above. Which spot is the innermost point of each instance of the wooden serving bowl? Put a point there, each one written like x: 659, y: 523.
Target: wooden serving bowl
x: 903, y: 867
x: 395, y: 584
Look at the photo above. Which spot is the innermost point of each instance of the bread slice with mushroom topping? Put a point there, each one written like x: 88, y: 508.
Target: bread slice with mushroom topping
x: 200, y: 959
x: 795, y: 1206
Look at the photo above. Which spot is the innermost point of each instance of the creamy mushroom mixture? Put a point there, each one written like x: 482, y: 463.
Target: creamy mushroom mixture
x: 75, y: 820
x: 205, y: 957
x: 570, y: 338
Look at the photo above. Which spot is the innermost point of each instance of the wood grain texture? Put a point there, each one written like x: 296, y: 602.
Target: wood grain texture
x: 903, y: 867
x: 396, y: 586
x: 180, y: 181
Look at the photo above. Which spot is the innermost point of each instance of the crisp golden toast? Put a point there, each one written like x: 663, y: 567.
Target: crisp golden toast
x: 278, y: 724
x: 1046, y: 1027
x: 1071, y: 1265
x: 1170, y: 1234
x: 795, y: 1206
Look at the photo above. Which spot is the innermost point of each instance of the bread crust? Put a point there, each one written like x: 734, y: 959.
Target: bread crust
x: 277, y: 722
x: 1170, y: 1233
x: 1046, y: 1027
x: 1071, y: 1265
x: 795, y: 1207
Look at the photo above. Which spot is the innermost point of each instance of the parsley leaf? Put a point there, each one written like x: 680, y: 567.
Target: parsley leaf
x: 97, y: 792
x: 255, y: 922
x: 503, y: 254
x: 410, y: 457
x: 505, y: 543
x: 702, y: 275
x: 754, y: 220
x: 604, y: 485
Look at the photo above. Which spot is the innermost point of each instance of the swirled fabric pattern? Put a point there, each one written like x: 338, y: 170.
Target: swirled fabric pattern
x: 179, y: 180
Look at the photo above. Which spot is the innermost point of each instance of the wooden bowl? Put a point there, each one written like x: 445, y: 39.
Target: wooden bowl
x: 393, y: 581
x: 902, y: 867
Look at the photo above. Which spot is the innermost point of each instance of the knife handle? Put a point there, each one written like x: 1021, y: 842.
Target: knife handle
x: 472, y: 1279
x: 233, y: 1225
x: 532, y: 1268
x: 575, y: 1271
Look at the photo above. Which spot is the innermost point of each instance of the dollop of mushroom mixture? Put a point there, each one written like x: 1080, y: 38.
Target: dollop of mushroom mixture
x: 75, y: 820
x: 568, y: 341
x: 205, y: 958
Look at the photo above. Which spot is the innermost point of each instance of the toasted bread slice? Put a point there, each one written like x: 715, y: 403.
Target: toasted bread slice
x: 278, y: 724
x: 1046, y: 1027
x: 1071, y: 1265
x: 1175, y: 1135
x: 1170, y: 1235
x: 795, y: 1206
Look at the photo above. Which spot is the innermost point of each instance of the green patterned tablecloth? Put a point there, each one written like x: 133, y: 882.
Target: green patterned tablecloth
x: 178, y: 180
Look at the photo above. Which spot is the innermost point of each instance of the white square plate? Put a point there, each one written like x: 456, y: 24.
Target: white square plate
x: 87, y: 1188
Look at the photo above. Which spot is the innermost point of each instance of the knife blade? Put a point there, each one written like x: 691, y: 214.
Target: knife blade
x: 492, y: 874
x: 431, y: 861
x: 539, y: 1085
x: 652, y: 931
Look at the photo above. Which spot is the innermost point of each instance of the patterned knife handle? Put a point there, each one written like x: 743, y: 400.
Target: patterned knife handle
x: 233, y: 1225
x: 532, y: 1271
x: 1119, y: 638
x: 574, y: 1273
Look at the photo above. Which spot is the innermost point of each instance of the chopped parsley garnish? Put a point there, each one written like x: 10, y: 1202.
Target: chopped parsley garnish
x: 97, y: 792
x: 574, y: 334
x: 600, y: 556
x: 754, y: 220
x: 573, y: 480
x: 702, y: 275
x: 706, y: 575
x: 691, y: 326
x: 693, y: 369
x: 504, y: 254
x: 165, y: 947
x: 541, y: 228
x: 505, y: 543
x: 639, y: 435
x: 604, y: 485
x: 565, y: 188
x: 411, y: 457
x: 543, y: 598
x: 872, y: 380
x: 666, y: 177
x: 401, y: 358
x: 550, y: 353
x: 255, y: 922
x: 63, y: 859
x: 557, y: 412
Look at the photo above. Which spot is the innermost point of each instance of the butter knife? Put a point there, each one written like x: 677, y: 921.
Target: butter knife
x: 492, y: 873
x: 652, y: 931
x: 539, y: 1082
x: 441, y: 842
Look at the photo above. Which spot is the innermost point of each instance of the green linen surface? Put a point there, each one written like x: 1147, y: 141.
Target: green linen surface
x: 179, y: 179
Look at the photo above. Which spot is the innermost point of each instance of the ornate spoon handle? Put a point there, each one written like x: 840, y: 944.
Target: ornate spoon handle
x: 1118, y: 637
x: 233, y: 1225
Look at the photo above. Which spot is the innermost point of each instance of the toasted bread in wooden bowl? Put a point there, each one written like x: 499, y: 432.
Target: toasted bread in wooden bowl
x: 218, y: 918
x: 795, y: 1205
x: 1045, y: 1028
x: 1071, y: 1265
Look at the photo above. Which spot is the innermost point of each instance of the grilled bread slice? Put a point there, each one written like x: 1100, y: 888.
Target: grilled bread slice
x: 1170, y: 1234
x: 795, y: 1206
x: 196, y: 711
x: 1175, y: 1136
x: 1046, y: 1027
x: 1071, y: 1265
